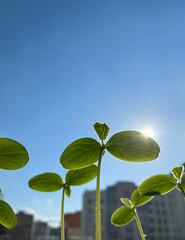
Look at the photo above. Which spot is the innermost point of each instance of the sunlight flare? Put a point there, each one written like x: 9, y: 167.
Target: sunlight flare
x: 148, y: 132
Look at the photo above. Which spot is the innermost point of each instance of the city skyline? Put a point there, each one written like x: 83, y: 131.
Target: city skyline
x: 162, y: 217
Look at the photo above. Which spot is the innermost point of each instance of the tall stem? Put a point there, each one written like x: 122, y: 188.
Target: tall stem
x: 98, y: 210
x: 62, y: 217
x: 139, y: 225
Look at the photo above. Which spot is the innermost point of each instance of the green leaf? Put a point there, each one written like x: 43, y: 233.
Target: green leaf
x: 81, y: 176
x: 12, y: 154
x: 81, y: 153
x: 178, y: 172
x: 102, y: 130
x: 138, y: 199
x: 122, y: 216
x: 182, y: 183
x: 67, y: 191
x: 46, y: 182
x: 132, y: 146
x: 126, y: 201
x: 157, y: 185
x: 7, y: 216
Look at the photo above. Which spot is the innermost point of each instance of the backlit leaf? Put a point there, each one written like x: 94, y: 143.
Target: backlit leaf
x: 7, y: 216
x: 122, y: 216
x: 157, y: 185
x: 81, y: 176
x: 68, y: 191
x: 12, y: 154
x: 46, y: 182
x: 133, y: 146
x: 178, y: 172
x: 126, y: 201
x: 138, y: 200
x: 81, y: 153
x: 182, y: 183
x: 102, y: 130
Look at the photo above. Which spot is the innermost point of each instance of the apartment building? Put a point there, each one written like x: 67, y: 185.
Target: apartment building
x: 163, y: 218
x: 23, y: 229
x: 41, y: 230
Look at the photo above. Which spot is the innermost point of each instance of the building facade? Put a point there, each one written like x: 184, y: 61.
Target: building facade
x: 41, y: 230
x: 24, y: 227
x: 88, y: 214
x: 162, y: 218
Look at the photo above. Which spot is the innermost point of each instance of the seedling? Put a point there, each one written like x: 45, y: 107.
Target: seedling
x: 12, y: 156
x: 162, y: 183
x: 130, y: 146
x: 126, y: 214
x: 51, y: 182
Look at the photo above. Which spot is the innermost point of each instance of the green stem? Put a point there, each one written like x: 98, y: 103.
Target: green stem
x: 181, y: 188
x: 62, y: 217
x: 139, y: 225
x: 98, y: 210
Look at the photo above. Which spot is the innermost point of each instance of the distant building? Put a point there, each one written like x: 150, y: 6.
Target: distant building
x: 48, y: 238
x: 41, y: 229
x: 4, y: 233
x: 73, y: 225
x: 55, y: 233
x: 110, y: 201
x: 24, y: 228
x: 88, y: 214
x: 5, y: 237
x: 163, y: 218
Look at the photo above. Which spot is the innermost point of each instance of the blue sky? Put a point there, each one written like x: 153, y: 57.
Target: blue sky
x: 66, y: 64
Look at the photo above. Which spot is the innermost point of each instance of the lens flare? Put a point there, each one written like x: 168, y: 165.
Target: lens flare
x: 148, y: 132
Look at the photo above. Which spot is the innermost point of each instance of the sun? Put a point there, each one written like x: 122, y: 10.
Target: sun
x: 148, y: 132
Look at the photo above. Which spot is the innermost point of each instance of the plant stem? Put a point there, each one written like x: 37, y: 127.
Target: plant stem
x: 62, y: 217
x: 139, y: 225
x: 98, y: 210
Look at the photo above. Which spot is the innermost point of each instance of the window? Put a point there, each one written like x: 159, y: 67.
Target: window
x: 159, y: 221
x: 165, y: 220
x: 160, y: 229
x: 90, y: 201
x: 151, y: 220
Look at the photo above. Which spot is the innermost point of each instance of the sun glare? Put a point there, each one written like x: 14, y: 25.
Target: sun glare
x: 148, y: 132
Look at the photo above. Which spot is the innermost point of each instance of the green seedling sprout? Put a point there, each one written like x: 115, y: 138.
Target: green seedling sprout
x: 126, y: 214
x: 13, y: 156
x: 51, y: 182
x: 162, y: 183
x: 131, y: 146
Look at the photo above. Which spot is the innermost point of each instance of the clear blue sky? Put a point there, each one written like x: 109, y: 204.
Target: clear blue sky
x: 66, y: 64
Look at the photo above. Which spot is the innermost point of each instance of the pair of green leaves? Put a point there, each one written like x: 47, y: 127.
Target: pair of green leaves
x: 12, y: 156
x: 130, y: 146
x: 162, y: 183
x: 126, y: 214
x: 50, y: 182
